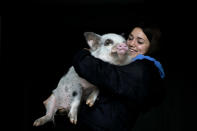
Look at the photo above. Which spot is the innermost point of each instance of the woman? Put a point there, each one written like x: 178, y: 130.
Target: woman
x: 126, y: 90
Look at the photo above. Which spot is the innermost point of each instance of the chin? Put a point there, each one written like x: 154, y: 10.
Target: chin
x: 133, y: 55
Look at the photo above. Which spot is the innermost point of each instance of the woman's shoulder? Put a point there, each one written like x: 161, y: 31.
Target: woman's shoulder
x: 139, y: 64
x: 142, y: 66
x: 137, y: 67
x: 148, y: 62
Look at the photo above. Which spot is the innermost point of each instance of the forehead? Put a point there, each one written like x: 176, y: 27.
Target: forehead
x: 113, y: 37
x: 138, y: 32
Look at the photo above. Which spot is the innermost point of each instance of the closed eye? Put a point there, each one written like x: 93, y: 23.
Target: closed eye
x: 140, y: 40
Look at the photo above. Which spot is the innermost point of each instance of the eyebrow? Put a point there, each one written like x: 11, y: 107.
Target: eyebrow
x: 140, y: 38
x: 137, y: 37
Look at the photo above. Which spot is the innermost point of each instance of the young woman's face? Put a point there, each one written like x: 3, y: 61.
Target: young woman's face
x: 137, y: 42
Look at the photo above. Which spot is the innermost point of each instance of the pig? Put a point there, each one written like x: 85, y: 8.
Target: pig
x: 72, y: 89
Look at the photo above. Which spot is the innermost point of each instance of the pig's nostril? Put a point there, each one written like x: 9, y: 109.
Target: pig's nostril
x: 122, y: 46
x: 119, y: 46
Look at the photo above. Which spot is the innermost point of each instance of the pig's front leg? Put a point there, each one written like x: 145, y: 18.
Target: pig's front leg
x: 95, y: 91
x: 92, y: 97
x: 75, y: 106
x: 50, y: 111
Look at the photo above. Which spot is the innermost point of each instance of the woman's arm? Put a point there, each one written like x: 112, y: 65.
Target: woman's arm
x: 132, y: 81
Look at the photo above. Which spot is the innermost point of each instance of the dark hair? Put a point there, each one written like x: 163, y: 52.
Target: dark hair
x: 154, y: 36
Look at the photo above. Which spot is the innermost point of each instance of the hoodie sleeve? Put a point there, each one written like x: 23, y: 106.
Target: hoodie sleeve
x: 132, y: 81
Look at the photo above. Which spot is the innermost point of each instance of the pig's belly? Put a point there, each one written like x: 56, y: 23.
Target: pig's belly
x: 63, y: 98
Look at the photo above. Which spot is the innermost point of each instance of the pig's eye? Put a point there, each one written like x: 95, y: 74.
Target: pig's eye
x: 108, y: 42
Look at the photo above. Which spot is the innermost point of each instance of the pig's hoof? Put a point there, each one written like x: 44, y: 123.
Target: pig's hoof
x: 90, y: 102
x: 73, y: 118
x: 73, y: 121
x: 39, y: 122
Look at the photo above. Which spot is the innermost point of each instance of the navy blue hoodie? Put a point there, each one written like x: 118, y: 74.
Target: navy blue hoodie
x: 125, y: 91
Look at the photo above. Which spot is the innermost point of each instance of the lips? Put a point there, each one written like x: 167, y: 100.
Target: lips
x: 132, y: 50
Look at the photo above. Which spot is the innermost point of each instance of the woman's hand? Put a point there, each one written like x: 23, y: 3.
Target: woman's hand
x: 86, y: 49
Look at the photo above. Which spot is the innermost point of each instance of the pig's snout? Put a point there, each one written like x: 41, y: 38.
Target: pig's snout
x: 122, y: 48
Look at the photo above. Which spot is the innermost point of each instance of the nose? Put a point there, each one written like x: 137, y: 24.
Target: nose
x: 131, y: 43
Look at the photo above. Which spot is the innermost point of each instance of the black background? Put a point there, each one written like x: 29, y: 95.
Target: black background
x: 40, y: 38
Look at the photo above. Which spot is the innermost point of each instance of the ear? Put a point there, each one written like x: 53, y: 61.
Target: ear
x: 92, y: 39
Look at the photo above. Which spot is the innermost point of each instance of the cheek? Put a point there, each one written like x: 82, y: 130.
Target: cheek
x: 143, y: 49
x: 128, y: 42
x: 108, y: 48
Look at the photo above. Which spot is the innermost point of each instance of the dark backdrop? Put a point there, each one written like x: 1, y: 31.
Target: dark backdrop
x: 39, y: 40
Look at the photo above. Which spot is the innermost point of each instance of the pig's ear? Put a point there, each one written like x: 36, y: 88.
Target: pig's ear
x: 92, y: 39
